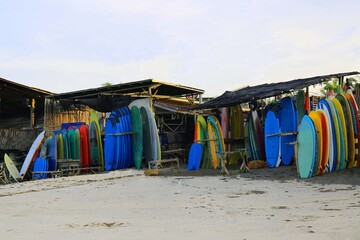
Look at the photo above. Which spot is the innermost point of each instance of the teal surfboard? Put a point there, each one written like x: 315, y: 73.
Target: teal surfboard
x: 137, y: 137
x: 306, y: 141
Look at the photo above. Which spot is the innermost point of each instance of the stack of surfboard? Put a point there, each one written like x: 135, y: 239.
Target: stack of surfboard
x: 78, y: 141
x: 254, y: 137
x: 280, y: 134
x: 118, y: 140
x: 328, y: 137
x: 208, y: 145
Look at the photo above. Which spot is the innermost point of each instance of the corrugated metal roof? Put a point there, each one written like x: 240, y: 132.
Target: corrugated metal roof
x: 262, y: 91
x: 25, y: 90
x: 137, y: 87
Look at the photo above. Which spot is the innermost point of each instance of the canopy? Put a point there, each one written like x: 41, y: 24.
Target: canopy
x: 266, y: 90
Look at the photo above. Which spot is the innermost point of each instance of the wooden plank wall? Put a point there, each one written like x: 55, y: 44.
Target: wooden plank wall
x: 54, y: 115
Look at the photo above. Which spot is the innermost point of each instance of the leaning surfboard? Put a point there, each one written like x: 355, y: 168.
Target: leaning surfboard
x: 31, y: 154
x: 14, y: 172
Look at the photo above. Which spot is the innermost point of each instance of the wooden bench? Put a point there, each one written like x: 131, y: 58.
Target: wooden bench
x: 158, y: 163
x: 69, y: 167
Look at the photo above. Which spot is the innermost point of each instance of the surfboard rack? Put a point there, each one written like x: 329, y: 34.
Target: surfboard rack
x: 53, y: 174
x: 282, y: 134
x: 120, y: 134
x: 158, y: 163
x: 205, y: 140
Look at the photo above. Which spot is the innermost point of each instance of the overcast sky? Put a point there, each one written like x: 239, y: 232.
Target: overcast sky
x: 67, y: 45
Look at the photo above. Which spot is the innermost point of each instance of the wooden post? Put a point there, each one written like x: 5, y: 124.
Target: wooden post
x: 200, y: 99
x: 32, y: 113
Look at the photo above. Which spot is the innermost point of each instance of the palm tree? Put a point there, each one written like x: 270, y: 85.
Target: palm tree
x: 107, y: 84
x: 330, y: 87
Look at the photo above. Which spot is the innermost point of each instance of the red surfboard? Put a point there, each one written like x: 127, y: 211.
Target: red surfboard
x: 84, y: 147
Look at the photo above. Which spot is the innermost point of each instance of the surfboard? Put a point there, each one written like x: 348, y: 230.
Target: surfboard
x: 93, y: 146
x: 288, y: 123
x: 300, y: 103
x: 130, y: 136
x: 251, y: 136
x: 218, y: 131
x: 349, y: 129
x: 44, y: 148
x: 40, y: 165
x: 258, y: 136
x: 206, y: 161
x: 306, y: 140
x: 343, y: 130
x: 123, y: 145
x: 339, y: 162
x: 147, y: 139
x: 14, y: 172
x: 334, y: 134
x: 31, y: 154
x: 212, y: 138
x: 314, y: 115
x: 356, y: 111
x: 60, y: 146
x: 52, y: 154
x: 352, y: 116
x: 65, y: 144
x: 137, y: 138
x: 77, y: 142
x: 72, y: 143
x: 84, y: 145
x: 94, y: 118
x: 325, y: 141
x: 110, y: 143
x: 194, y: 156
x: 156, y: 151
x: 129, y: 162
x: 272, y: 140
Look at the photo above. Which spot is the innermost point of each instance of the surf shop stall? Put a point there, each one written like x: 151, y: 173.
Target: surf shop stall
x: 21, y: 118
x: 112, y: 127
x: 283, y: 127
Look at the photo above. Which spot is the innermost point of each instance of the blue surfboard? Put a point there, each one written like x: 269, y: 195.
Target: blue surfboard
x: 52, y: 154
x: 110, y: 143
x: 195, y: 155
x: 288, y: 124
x: 40, y: 165
x: 272, y: 140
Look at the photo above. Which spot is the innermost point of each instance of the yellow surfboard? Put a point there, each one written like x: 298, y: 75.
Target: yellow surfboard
x: 351, y: 138
x: 94, y: 118
x: 211, y: 142
x: 14, y: 172
x: 317, y: 122
x: 222, y: 142
x: 343, y: 124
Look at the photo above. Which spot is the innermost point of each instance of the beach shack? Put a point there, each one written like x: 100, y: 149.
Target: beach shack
x: 276, y: 141
x: 170, y: 102
x: 21, y: 115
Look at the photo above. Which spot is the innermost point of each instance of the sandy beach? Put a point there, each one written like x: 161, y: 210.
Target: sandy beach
x: 264, y: 204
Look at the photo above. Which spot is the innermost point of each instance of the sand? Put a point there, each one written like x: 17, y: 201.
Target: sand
x: 264, y: 204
